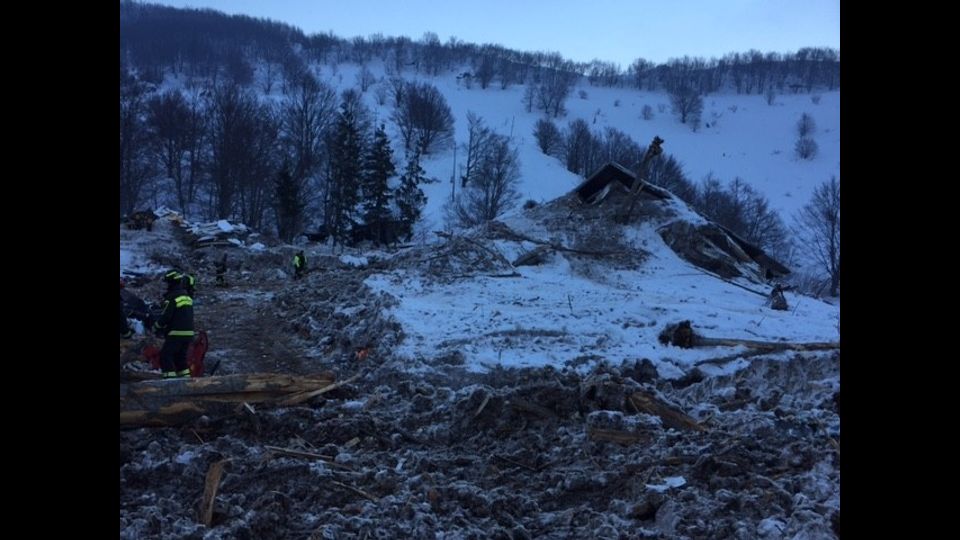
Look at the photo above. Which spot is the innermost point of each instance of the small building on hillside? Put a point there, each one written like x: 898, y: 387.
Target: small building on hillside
x: 613, y: 176
x: 709, y: 245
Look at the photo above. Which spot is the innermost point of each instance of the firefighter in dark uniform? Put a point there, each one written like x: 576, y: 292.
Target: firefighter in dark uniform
x: 188, y: 281
x: 175, y: 324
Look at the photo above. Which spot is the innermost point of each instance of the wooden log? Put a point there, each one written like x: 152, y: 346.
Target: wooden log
x: 766, y: 345
x: 165, y: 402
x: 226, y: 387
x: 640, y: 184
x: 671, y: 418
x: 682, y: 335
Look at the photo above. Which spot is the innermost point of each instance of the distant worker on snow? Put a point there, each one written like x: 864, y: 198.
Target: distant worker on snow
x: 221, y: 268
x: 777, y: 299
x: 299, y: 264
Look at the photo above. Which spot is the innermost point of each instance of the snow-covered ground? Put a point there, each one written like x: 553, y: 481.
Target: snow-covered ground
x: 552, y: 315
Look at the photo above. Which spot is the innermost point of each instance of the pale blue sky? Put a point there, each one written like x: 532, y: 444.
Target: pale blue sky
x: 581, y: 30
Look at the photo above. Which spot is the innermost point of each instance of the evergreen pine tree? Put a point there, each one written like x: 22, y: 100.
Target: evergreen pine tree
x: 378, y: 168
x: 290, y: 203
x: 410, y: 198
x: 344, y: 180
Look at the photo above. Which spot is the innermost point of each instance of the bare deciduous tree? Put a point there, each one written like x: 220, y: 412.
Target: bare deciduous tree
x: 242, y: 135
x: 493, y: 189
x: 365, y: 78
x: 806, y: 148
x: 307, y: 114
x: 817, y: 225
x: 686, y: 102
x: 743, y: 210
x: 485, y: 70
x: 397, y: 87
x: 578, y: 146
x: 640, y: 71
x: 431, y: 53
x: 292, y: 70
x: 621, y: 148
x: 423, y: 118
x: 507, y: 72
x: 553, y: 91
x: 380, y: 94
x: 529, y: 97
x: 169, y: 118
x: 135, y: 166
x: 478, y: 137
x: 548, y: 137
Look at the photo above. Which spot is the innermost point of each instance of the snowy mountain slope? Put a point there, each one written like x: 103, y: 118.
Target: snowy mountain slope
x: 747, y: 138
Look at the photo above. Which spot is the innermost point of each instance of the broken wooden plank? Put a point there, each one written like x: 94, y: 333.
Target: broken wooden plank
x: 358, y: 491
x: 640, y: 183
x: 210, y: 487
x: 486, y: 399
x: 300, y: 397
x: 290, y: 452
x: 671, y: 418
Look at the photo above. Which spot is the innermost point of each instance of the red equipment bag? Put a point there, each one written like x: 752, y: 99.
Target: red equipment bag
x: 195, y: 353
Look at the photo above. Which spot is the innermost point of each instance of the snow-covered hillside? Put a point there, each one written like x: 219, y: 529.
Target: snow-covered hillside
x: 746, y: 137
